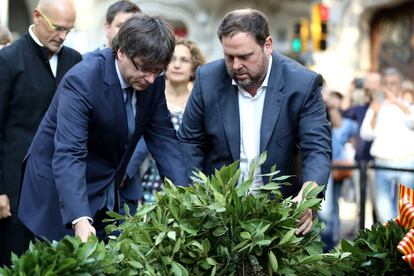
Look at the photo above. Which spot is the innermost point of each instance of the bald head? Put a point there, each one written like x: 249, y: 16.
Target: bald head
x: 53, y: 19
x: 52, y: 6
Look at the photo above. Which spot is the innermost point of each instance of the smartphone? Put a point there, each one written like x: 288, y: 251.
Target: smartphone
x: 359, y: 83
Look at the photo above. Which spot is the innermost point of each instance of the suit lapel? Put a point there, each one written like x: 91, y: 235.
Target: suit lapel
x: 273, y: 102
x: 230, y: 114
x: 115, y: 98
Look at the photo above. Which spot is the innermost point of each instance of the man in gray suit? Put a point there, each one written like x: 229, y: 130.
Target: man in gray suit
x: 257, y: 100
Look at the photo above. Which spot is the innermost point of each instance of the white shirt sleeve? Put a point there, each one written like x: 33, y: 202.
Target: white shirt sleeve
x: 78, y: 219
x: 367, y: 132
x: 409, y: 118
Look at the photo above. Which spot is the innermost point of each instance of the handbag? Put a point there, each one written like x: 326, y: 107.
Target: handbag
x: 341, y: 174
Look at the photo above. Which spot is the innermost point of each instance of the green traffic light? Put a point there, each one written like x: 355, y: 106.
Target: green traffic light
x: 296, y: 45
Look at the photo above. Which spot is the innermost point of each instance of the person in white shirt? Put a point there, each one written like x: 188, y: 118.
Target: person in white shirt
x: 389, y: 123
x: 256, y: 100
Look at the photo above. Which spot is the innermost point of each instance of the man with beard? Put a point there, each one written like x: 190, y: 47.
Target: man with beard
x: 100, y: 110
x: 257, y: 100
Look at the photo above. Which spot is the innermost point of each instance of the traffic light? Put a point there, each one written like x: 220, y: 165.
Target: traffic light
x: 319, y: 26
x: 300, y: 35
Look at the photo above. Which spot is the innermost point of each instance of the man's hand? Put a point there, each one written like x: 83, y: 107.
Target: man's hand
x: 305, y: 221
x: 83, y: 229
x: 4, y: 206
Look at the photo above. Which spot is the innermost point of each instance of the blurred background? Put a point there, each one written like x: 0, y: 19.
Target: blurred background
x: 337, y: 38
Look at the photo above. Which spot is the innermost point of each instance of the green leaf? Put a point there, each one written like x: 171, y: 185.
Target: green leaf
x: 264, y: 242
x: 135, y: 264
x: 159, y: 238
x: 242, y: 246
x: 115, y: 215
x: 287, y: 237
x: 172, y: 235
x: 219, y: 232
x: 245, y: 235
x: 198, y: 245
x: 311, y: 259
x: 244, y: 187
x: 178, y: 269
x: 146, y: 208
x: 216, y: 206
x: 273, y: 261
x: 177, y: 245
x: 282, y: 178
x: 206, y: 245
x: 211, y: 261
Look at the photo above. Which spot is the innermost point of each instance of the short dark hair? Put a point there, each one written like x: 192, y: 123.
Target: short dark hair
x: 148, y: 37
x: 120, y: 6
x: 245, y: 21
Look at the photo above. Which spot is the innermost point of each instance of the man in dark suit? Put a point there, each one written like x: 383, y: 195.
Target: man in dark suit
x: 30, y: 71
x: 81, y: 149
x: 257, y: 100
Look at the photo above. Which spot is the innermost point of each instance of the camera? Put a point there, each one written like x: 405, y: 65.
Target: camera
x: 359, y: 83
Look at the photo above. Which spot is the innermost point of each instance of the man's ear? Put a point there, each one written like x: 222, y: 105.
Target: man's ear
x: 268, y: 45
x: 106, y: 29
x: 36, y: 16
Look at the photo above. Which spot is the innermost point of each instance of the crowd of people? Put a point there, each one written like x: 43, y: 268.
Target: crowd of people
x: 380, y: 130
x: 84, y: 135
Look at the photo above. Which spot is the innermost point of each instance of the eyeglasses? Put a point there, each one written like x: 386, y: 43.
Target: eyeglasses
x: 155, y: 72
x: 181, y: 60
x: 52, y: 26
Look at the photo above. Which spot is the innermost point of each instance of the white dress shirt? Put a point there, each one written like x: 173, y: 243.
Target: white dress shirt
x: 251, y: 111
x: 53, y: 60
x: 393, y: 135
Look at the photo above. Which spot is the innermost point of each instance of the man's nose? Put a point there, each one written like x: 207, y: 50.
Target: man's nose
x: 237, y: 64
x: 62, y: 36
x: 150, y: 78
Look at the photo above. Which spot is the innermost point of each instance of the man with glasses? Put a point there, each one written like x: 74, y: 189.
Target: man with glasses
x: 101, y: 109
x: 116, y: 14
x: 31, y: 69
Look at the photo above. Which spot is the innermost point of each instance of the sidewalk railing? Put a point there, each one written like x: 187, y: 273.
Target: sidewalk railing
x: 363, y: 167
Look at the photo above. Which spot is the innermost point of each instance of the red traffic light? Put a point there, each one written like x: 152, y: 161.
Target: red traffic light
x: 324, y: 12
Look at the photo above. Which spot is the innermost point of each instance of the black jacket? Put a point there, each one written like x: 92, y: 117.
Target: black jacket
x: 27, y: 86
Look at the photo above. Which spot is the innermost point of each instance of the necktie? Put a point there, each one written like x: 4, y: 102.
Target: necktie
x: 110, y: 193
x: 129, y: 111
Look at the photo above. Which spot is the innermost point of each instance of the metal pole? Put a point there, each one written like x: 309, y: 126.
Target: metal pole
x: 363, y: 186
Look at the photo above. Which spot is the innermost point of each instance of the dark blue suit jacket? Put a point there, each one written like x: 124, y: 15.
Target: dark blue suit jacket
x: 294, y: 125
x: 82, y: 145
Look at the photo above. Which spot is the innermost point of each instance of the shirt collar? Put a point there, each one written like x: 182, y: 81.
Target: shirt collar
x: 34, y: 37
x: 265, y: 81
x: 123, y: 83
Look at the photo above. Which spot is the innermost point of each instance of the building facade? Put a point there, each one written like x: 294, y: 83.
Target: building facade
x: 363, y: 35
